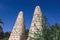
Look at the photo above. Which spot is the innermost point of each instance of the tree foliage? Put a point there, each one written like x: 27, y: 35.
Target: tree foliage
x: 1, y: 30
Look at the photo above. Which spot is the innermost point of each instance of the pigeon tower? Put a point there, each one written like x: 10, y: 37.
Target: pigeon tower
x: 36, y: 22
x: 18, y: 32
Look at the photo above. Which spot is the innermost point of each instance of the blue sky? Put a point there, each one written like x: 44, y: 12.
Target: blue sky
x: 9, y: 10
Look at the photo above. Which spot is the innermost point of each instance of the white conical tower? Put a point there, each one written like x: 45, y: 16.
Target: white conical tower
x: 36, y: 22
x: 18, y: 32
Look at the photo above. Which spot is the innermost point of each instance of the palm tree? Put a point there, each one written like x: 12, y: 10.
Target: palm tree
x: 1, y: 22
x: 1, y: 29
x: 55, y: 32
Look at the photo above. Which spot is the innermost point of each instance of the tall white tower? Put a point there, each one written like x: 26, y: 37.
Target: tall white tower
x: 36, y: 22
x: 18, y: 32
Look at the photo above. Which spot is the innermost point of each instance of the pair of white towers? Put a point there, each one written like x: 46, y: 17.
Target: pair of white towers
x: 19, y: 33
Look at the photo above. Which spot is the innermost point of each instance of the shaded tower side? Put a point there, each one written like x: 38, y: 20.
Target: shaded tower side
x: 18, y: 32
x: 36, y: 22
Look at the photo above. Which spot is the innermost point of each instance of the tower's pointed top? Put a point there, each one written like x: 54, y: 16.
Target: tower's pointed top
x: 20, y: 15
x: 21, y: 12
x: 37, y: 7
x: 38, y: 10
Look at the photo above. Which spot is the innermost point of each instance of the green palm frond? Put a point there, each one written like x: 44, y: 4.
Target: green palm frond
x: 1, y: 21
